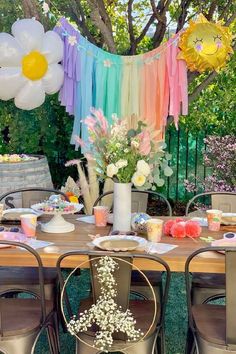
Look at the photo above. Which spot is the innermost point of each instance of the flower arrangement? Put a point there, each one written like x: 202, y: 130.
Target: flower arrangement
x: 125, y: 155
x: 106, y: 314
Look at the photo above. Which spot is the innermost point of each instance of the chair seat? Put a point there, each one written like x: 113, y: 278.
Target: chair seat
x: 26, y: 275
x: 137, y: 279
x: 142, y: 310
x: 208, y: 280
x: 21, y: 316
x: 210, y: 321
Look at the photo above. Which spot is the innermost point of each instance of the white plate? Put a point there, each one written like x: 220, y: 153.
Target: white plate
x: 38, y: 208
x: 228, y: 219
x: 15, y: 213
x: 119, y: 243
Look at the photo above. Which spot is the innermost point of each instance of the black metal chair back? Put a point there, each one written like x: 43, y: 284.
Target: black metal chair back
x: 9, y: 200
x: 206, y: 194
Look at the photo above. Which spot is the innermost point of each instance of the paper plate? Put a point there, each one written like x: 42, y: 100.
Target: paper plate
x: 228, y: 219
x: 119, y: 243
x: 15, y: 213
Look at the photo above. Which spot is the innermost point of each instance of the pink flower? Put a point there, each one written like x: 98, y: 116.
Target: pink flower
x: 98, y: 113
x: 90, y: 122
x: 72, y: 162
x: 145, y: 145
x: 80, y: 141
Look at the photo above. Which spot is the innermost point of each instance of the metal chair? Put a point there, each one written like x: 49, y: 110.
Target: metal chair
x: 27, y: 278
x: 142, y: 309
x: 22, y: 320
x: 213, y: 326
x: 30, y: 196
x: 225, y: 201
x: 206, y: 285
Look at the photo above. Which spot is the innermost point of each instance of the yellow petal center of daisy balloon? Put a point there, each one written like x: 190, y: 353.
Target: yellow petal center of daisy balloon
x: 34, y: 65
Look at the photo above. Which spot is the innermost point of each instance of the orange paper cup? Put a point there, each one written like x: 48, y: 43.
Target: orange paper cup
x: 154, y: 229
x: 101, y: 215
x: 214, y: 219
x: 28, y: 224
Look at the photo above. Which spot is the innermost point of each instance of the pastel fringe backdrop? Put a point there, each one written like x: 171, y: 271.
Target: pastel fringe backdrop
x: 151, y: 85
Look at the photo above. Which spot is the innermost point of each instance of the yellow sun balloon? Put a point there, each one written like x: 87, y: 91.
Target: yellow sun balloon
x: 205, y: 45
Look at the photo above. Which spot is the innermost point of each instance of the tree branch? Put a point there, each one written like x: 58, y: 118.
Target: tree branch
x: 161, y: 27
x: 30, y: 9
x: 77, y: 13
x: 183, y: 15
x: 133, y: 44
x: 211, y: 10
x: 101, y: 25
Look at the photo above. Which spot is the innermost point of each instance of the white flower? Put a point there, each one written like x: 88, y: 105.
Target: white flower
x: 121, y: 163
x: 29, y: 64
x: 143, y: 167
x: 138, y: 179
x: 118, y: 145
x: 72, y: 40
x: 45, y: 8
x: 126, y: 151
x: 111, y: 170
x: 135, y: 144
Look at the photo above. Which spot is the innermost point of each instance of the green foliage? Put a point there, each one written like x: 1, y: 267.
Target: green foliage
x: 47, y: 130
x: 215, y: 108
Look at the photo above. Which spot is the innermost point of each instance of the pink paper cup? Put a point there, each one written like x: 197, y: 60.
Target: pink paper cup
x: 214, y: 219
x: 28, y: 224
x: 154, y: 229
x: 101, y: 215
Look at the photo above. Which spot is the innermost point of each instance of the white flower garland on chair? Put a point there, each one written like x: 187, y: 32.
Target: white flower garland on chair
x: 106, y: 314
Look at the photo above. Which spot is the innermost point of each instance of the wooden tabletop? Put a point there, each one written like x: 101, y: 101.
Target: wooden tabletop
x: 79, y: 239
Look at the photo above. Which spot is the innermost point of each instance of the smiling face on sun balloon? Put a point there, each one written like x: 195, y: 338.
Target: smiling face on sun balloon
x: 205, y: 45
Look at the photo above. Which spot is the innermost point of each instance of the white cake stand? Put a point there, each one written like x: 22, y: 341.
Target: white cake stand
x: 58, y: 224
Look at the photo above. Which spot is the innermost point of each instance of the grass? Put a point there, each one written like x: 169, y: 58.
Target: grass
x: 176, y: 319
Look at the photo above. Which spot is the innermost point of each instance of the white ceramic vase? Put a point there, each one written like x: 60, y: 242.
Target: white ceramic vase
x: 122, y: 207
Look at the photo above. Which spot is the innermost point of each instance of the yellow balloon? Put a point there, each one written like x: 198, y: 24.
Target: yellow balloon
x: 205, y: 45
x: 34, y: 65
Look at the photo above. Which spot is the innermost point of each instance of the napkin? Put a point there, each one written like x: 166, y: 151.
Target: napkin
x: 35, y: 244
x: 159, y: 248
x: 88, y: 218
x: 201, y: 221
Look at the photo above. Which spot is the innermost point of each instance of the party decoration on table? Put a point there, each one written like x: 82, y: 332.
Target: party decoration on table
x: 129, y: 157
x: 89, y: 185
x: 57, y: 206
x: 12, y: 158
x: 139, y: 222
x: 179, y: 228
x: 72, y: 190
x: 106, y: 310
x: 29, y: 64
x: 205, y: 45
x: 151, y: 85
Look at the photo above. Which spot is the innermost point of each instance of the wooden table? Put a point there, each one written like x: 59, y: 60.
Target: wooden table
x: 79, y: 239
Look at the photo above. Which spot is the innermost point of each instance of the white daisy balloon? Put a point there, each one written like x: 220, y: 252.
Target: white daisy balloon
x: 29, y: 64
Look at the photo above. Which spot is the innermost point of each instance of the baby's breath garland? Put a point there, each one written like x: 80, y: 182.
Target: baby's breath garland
x: 106, y: 314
